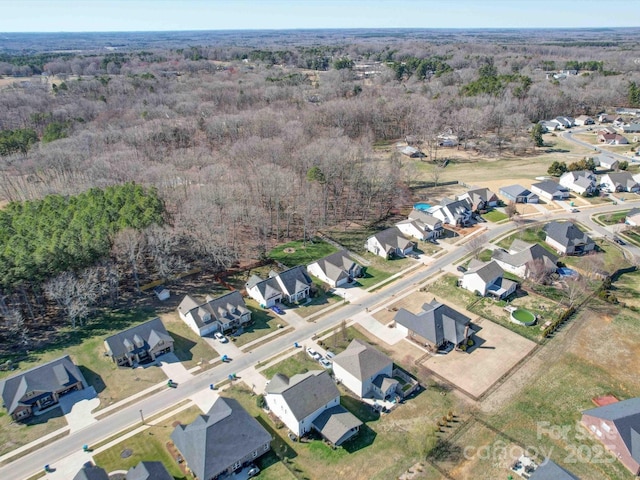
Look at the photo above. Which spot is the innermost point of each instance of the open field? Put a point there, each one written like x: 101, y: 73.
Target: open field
x: 301, y: 253
x: 626, y: 289
x: 149, y: 444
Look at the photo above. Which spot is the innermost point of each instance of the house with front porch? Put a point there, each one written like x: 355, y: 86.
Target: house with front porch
x: 487, y: 278
x: 619, y: 182
x: 480, y: 199
x: 582, y: 182
x: 224, y: 313
x: 39, y: 388
x: 140, y: 344
x: 336, y: 269
x: 366, y: 371
x: 453, y: 212
x: 525, y: 259
x: 550, y: 190
x: 292, y: 285
x: 389, y: 243
x: 566, y: 238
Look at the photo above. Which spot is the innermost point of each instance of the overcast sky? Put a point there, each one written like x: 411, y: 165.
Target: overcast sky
x: 138, y: 15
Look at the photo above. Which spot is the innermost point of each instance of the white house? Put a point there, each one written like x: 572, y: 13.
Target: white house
x: 292, y: 285
x: 606, y: 163
x: 583, y: 120
x: 365, y: 371
x: 216, y: 314
x: 582, y: 182
x: 521, y: 258
x: 619, y: 182
x: 487, y: 278
x: 421, y: 225
x: 335, y: 269
x: 308, y: 401
x: 389, y: 243
x: 568, y: 239
x: 564, y: 122
x: 480, y: 198
x: 453, y: 212
x: 612, y: 139
x: 550, y: 190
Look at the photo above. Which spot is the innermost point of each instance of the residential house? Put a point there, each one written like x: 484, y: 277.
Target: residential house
x: 223, y: 313
x: 487, y: 278
x: 584, y: 120
x: 550, y: 470
x: 416, y: 229
x: 582, y: 182
x: 389, y: 243
x: 41, y: 387
x: 148, y: 471
x: 612, y: 139
x: 549, y: 126
x: 518, y: 194
x: 292, y: 285
x: 550, y: 190
x: 606, y: 118
x: 453, y: 212
x: 432, y: 226
x: 619, y: 182
x: 606, y: 130
x: 311, y: 401
x: 480, y: 199
x: 221, y: 442
x: 563, y: 122
x: 447, y: 140
x: 604, y: 162
x: 631, y: 128
x: 91, y: 472
x: 633, y: 217
x: 366, y: 371
x: 628, y: 111
x: 525, y: 259
x: 139, y: 344
x: 335, y: 269
x: 435, y: 325
x: 617, y: 426
x: 568, y: 239
x: 411, y: 152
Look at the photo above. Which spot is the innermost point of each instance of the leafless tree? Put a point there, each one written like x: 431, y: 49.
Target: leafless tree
x: 475, y: 244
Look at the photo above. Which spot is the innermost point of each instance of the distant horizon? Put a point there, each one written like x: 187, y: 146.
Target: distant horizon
x: 128, y: 16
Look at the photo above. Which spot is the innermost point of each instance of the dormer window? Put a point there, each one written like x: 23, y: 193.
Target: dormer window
x: 138, y: 341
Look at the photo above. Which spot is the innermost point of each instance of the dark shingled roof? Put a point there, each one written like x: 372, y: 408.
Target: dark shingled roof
x: 625, y: 415
x: 337, y: 424
x: 304, y: 393
x: 337, y: 266
x: 436, y: 322
x: 549, y: 470
x: 566, y: 234
x: 43, y: 379
x: 148, y: 333
x: 392, y: 238
x: 522, y: 253
x: 91, y: 472
x: 214, y: 442
x: 294, y: 279
x: 148, y: 471
x: 362, y: 360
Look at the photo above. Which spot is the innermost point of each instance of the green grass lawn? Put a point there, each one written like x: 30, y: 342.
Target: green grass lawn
x: 352, y: 238
x: 495, y: 216
x: 298, y: 363
x: 321, y: 300
x: 301, y: 253
x: 372, y: 276
x: 263, y: 322
x: 190, y: 348
x: 16, y: 434
x: 529, y: 235
x: 613, y: 218
x: 341, y: 339
x: 608, y: 258
x: 149, y: 444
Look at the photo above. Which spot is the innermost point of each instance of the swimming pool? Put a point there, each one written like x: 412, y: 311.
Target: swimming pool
x: 567, y: 272
x: 422, y: 206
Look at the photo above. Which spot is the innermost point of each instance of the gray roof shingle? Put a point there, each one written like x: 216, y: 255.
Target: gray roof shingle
x: 521, y: 253
x: 392, y: 238
x: 362, y: 360
x: 337, y: 424
x: 567, y: 234
x: 294, y: 279
x: 337, y: 266
x: 149, y: 471
x: 549, y: 470
x: 91, y: 472
x: 148, y: 333
x: 436, y: 322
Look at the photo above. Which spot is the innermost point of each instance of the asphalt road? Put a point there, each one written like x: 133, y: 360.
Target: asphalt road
x: 32, y: 463
x: 568, y: 134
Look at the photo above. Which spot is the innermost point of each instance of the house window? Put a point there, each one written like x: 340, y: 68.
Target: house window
x: 266, y: 447
x: 236, y: 466
x: 254, y: 454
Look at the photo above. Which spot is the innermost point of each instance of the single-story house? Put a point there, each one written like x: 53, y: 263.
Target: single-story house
x: 564, y: 122
x: 335, y: 269
x: 617, y: 426
x: 223, y: 313
x: 606, y: 162
x: 487, y: 278
x: 518, y: 194
x: 221, y: 442
x: 411, y: 152
x: 607, y: 118
x: 366, y: 371
x: 584, y: 120
x: 311, y: 401
x: 549, y: 126
x: 606, y: 130
x: 633, y: 217
x: 631, y: 128
x: 434, y: 325
x: 582, y: 182
x: 453, y: 212
x: 91, y: 472
x: 568, y: 239
x: 612, y: 139
x: 292, y: 285
x: 389, y: 243
x: 148, y: 471
x: 480, y: 199
x: 139, y: 344
x: 550, y: 470
x: 41, y: 387
x: 524, y: 259
x: 550, y: 190
x: 619, y: 182
x: 628, y: 111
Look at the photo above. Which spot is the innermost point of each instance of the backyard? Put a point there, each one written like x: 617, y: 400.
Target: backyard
x: 301, y: 253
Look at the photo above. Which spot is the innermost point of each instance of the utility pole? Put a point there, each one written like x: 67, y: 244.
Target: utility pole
x: 141, y: 417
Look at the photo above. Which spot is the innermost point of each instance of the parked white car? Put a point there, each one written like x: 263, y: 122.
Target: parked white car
x: 313, y: 354
x: 220, y: 337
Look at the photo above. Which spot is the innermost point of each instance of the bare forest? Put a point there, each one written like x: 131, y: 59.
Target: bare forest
x: 250, y: 143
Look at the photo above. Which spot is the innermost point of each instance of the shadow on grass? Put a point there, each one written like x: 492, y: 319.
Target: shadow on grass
x: 94, y: 379
x: 363, y: 439
x: 278, y: 445
x: 44, y: 418
x: 182, y: 347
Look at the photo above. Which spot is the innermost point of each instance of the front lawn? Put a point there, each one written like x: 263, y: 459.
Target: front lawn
x: 191, y: 349
x: 148, y: 445
x: 341, y: 338
x: 608, y: 258
x: 372, y: 276
x: 613, y: 218
x: 263, y: 322
x: 529, y: 235
x: 16, y: 434
x: 495, y: 216
x: 301, y: 253
x: 301, y: 362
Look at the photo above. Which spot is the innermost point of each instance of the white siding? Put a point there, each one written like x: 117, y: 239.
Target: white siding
x: 348, y: 380
x: 412, y: 231
x: 280, y: 408
x: 557, y: 246
x: 374, y: 247
x: 315, y: 270
x: 473, y: 283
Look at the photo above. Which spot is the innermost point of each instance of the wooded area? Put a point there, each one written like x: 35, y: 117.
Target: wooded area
x: 248, y: 143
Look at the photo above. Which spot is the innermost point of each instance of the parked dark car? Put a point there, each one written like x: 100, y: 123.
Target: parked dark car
x: 460, y: 268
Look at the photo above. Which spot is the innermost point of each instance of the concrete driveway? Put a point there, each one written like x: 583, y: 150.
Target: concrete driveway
x: 173, y: 368
x: 228, y: 348
x: 77, y: 408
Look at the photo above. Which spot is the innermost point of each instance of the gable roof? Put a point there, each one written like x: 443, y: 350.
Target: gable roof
x: 362, y: 360
x: 304, y: 393
x: 578, y: 174
x: 227, y: 308
x: 436, y: 322
x: 50, y: 377
x: 148, y: 471
x: 424, y: 217
x: 336, y: 423
x: 549, y: 470
x: 487, y: 271
x: 293, y: 280
x: 456, y: 208
x: 623, y: 179
x: 521, y: 253
x: 215, y: 441
x: 550, y: 187
x: 625, y: 415
x: 150, y: 333
x: 268, y: 287
x: 515, y: 191
x: 91, y: 472
x: 392, y: 239
x: 566, y: 234
x: 337, y: 266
